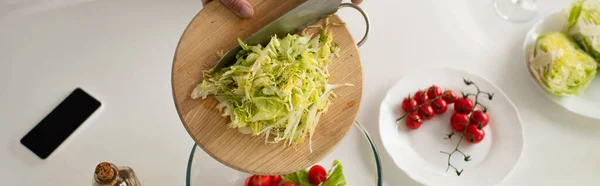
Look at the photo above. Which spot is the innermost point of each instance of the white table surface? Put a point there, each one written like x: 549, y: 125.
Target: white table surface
x: 121, y: 52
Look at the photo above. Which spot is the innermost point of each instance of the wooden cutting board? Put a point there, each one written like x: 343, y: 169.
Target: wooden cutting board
x: 216, y: 28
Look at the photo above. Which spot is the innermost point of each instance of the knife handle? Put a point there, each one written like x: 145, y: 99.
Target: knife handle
x: 367, y: 22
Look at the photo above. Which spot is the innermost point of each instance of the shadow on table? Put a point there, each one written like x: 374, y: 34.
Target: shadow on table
x: 20, y: 152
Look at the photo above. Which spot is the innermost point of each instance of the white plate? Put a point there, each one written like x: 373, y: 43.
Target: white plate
x: 587, y: 103
x: 417, y: 152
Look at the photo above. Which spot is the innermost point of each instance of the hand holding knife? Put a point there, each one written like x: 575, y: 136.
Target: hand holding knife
x: 244, y: 10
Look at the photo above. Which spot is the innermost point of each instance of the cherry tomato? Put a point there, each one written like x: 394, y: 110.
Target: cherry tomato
x: 439, y: 106
x: 259, y: 180
x: 409, y: 104
x: 434, y: 92
x: 289, y: 183
x: 275, y: 180
x: 317, y: 174
x: 459, y: 122
x: 248, y: 181
x: 413, y: 121
x: 426, y: 112
x: 449, y: 96
x: 480, y: 117
x: 474, y: 134
x: 463, y: 105
x: 421, y: 97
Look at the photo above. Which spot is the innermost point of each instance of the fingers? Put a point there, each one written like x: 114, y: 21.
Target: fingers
x: 356, y: 2
x: 240, y: 7
x: 205, y: 1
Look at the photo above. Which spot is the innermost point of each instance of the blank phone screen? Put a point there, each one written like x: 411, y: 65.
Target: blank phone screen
x: 54, y: 129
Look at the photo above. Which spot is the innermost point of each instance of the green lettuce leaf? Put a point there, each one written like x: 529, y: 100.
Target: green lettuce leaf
x: 335, y: 175
x: 299, y: 178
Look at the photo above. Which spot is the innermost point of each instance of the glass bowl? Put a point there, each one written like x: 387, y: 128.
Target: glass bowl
x: 357, y: 153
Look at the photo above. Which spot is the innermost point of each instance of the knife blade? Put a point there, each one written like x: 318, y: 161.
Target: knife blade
x: 297, y: 19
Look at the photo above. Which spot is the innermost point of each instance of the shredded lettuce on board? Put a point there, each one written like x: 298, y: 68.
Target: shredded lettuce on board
x: 280, y: 89
x: 584, y: 25
x: 562, y: 68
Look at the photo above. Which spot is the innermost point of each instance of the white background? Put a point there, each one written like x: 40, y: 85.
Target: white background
x: 121, y: 52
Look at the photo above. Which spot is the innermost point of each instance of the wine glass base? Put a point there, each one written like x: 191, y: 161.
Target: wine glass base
x: 516, y: 10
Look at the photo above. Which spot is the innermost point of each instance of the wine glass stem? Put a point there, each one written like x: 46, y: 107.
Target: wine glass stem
x: 516, y: 10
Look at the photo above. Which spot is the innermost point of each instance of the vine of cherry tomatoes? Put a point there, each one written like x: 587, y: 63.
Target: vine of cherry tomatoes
x: 466, y: 119
x: 425, y: 104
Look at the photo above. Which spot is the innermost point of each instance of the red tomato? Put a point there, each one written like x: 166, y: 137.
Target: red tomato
x: 434, y: 92
x: 289, y: 183
x: 439, y: 106
x: 463, y: 105
x: 480, y: 117
x: 426, y: 112
x: 409, y: 104
x: 259, y: 180
x: 317, y: 174
x: 248, y: 181
x: 275, y: 180
x: 459, y: 122
x: 421, y: 97
x: 413, y: 121
x: 449, y: 96
x: 474, y: 134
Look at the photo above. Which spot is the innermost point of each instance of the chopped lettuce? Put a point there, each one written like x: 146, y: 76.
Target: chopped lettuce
x: 561, y: 67
x: 280, y: 89
x: 584, y: 25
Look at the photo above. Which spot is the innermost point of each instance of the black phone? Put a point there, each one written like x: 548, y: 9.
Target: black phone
x: 57, y: 126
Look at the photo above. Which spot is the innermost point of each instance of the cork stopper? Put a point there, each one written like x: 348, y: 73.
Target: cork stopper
x: 105, y: 172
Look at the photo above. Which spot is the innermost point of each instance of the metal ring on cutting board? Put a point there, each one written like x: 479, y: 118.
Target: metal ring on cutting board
x: 364, y: 39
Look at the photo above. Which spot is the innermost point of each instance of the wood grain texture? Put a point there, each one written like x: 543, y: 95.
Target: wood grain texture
x: 216, y: 28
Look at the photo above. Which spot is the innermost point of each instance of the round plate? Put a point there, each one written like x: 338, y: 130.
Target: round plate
x: 357, y: 153
x: 216, y: 28
x: 417, y: 152
x: 587, y: 103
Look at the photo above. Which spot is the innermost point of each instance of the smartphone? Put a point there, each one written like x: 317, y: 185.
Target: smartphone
x: 62, y: 121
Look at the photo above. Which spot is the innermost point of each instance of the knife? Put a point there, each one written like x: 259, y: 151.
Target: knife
x: 297, y: 19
